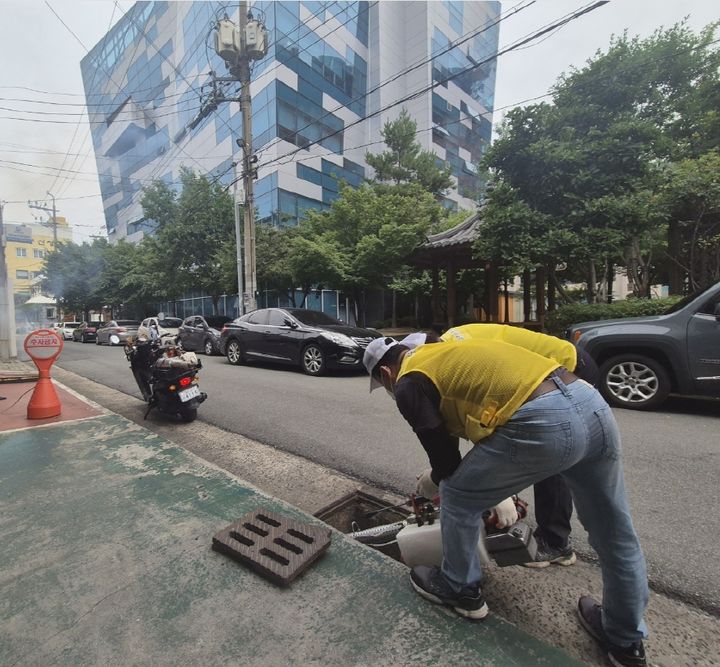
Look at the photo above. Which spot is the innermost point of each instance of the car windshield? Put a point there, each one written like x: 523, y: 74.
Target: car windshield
x: 128, y: 323
x: 71, y: 325
x: 217, y: 321
x: 312, y: 317
x: 678, y: 305
x: 170, y: 322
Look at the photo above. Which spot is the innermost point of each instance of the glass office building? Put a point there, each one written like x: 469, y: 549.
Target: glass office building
x: 334, y: 73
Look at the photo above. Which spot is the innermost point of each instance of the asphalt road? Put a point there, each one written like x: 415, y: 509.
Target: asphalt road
x: 672, y: 457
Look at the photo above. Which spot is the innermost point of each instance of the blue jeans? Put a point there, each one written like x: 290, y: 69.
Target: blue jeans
x: 572, y: 431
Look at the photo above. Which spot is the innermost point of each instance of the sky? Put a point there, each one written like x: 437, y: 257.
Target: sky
x: 38, y: 52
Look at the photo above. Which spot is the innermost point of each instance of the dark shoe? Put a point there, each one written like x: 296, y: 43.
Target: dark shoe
x: 430, y: 583
x: 547, y: 555
x: 590, y: 614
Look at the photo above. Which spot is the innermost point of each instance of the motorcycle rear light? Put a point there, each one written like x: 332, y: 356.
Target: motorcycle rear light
x: 184, y: 382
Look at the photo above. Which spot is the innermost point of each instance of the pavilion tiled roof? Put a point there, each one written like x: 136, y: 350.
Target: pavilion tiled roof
x: 452, y: 244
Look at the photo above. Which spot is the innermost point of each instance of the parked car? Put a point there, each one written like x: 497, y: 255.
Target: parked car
x: 643, y: 359
x: 115, y: 332
x: 307, y: 338
x: 166, y: 326
x: 86, y: 332
x: 65, y: 329
x: 202, y: 332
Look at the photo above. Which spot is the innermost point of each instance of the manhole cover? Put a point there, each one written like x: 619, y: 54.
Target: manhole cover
x: 273, y: 545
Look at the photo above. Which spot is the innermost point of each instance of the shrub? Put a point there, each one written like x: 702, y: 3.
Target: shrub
x: 558, y: 320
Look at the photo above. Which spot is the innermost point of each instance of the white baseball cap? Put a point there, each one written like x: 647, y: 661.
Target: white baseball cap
x: 414, y: 340
x: 373, y: 353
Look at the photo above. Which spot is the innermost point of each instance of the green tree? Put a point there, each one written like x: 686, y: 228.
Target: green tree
x: 273, y: 249
x: 692, y: 195
x: 195, y: 231
x: 129, y: 281
x: 405, y: 161
x: 367, y: 234
x: 73, y: 274
x: 587, y: 165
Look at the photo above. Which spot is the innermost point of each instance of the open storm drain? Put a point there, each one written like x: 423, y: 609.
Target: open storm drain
x: 273, y: 545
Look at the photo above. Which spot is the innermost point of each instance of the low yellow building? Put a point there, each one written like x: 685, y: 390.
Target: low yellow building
x: 27, y: 246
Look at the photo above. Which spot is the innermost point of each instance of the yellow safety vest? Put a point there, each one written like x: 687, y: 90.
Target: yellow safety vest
x: 562, y: 351
x: 481, y: 382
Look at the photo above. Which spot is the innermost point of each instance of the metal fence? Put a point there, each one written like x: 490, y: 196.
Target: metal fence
x: 332, y: 302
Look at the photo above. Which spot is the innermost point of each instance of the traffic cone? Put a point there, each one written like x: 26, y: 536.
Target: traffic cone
x: 43, y: 347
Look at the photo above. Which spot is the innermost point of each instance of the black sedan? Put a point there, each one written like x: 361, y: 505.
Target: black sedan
x: 307, y: 338
x: 202, y: 332
x: 86, y: 332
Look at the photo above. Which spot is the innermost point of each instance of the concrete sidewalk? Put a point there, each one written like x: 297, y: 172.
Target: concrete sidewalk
x: 540, y: 602
x: 106, y: 559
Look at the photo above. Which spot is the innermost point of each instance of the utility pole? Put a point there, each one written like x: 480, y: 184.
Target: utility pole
x: 238, y: 46
x: 54, y: 225
x: 53, y: 212
x: 8, y: 344
x: 243, y: 74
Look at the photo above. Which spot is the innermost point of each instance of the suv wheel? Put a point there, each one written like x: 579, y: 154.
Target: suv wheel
x: 234, y: 353
x: 313, y: 360
x: 634, y: 381
x: 208, y: 347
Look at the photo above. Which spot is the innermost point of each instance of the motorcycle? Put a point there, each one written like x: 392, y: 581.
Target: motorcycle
x: 166, y: 376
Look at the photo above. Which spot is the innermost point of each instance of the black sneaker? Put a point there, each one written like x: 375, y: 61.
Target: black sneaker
x: 547, y: 555
x: 430, y: 583
x: 590, y: 614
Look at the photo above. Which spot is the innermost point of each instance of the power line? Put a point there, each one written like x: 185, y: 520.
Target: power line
x: 135, y: 196
x: 460, y: 40
x: 566, y: 19
x: 77, y: 127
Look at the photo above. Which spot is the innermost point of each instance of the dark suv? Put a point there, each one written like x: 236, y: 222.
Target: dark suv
x: 307, y: 338
x: 200, y: 332
x: 643, y: 359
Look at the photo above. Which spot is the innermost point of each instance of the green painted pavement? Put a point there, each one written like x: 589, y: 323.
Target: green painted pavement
x: 105, y: 559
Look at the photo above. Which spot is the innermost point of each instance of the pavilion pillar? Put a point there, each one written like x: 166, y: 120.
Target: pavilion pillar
x: 527, y: 296
x: 451, y: 293
x: 540, y: 294
x: 435, y: 295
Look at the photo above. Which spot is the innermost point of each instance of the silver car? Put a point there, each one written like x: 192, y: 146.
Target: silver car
x: 116, y: 332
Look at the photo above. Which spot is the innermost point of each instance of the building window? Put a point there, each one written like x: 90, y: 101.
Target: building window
x: 20, y: 252
x: 21, y: 274
x: 38, y: 254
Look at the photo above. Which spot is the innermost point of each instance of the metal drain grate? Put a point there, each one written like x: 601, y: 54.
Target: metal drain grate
x: 273, y: 545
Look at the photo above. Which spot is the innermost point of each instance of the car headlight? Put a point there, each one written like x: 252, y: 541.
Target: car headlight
x: 340, y: 339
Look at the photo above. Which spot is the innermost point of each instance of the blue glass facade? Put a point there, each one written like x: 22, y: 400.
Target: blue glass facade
x: 462, y: 122
x: 145, y: 80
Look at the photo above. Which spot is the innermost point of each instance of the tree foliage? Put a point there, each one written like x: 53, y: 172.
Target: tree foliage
x: 691, y: 194
x: 73, y: 274
x: 194, y: 233
x: 578, y: 180
x: 405, y: 161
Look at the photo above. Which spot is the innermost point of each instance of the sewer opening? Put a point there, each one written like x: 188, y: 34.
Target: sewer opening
x: 350, y: 513
x: 512, y: 546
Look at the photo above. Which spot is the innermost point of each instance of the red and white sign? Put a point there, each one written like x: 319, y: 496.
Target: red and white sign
x: 43, y: 344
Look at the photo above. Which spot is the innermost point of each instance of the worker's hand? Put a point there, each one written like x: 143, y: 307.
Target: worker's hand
x: 425, y: 486
x: 505, y: 514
